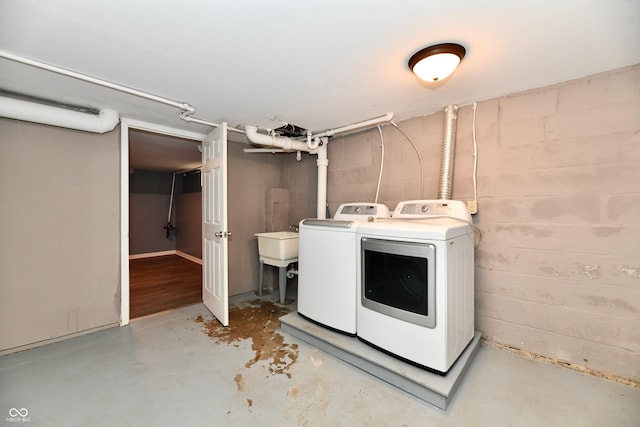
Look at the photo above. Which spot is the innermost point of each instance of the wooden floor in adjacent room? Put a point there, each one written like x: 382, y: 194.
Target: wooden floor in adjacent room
x: 163, y: 283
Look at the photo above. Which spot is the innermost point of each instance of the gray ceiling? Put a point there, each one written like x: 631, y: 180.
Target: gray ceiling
x: 152, y: 151
x: 316, y: 64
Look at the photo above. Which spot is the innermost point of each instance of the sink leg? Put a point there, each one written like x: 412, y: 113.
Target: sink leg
x: 282, y: 283
x: 261, y: 277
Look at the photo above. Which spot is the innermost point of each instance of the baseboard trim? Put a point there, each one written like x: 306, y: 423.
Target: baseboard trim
x: 163, y: 253
x: 56, y: 339
x: 189, y: 257
x: 152, y: 254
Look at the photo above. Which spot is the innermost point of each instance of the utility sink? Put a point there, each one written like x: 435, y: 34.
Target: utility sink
x: 278, y: 245
x: 279, y: 249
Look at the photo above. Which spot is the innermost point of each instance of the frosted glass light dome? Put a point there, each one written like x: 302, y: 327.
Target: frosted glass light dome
x: 436, y: 62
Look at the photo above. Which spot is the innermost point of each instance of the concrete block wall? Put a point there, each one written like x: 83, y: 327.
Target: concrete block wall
x: 301, y: 179
x: 558, y: 267
x: 276, y: 209
x: 558, y: 262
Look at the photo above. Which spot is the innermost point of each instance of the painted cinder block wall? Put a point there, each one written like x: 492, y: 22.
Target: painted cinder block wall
x: 558, y: 262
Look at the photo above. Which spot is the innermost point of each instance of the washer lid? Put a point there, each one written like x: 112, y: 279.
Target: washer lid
x: 435, y: 228
x: 331, y: 223
x: 362, y: 212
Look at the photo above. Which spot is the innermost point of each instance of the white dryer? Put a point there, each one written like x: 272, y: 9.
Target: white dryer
x: 415, y: 282
x: 327, y: 265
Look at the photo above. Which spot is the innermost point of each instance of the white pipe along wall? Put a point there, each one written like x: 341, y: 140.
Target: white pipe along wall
x: 19, y: 109
x: 323, y: 165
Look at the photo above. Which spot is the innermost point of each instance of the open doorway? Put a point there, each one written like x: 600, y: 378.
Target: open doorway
x: 165, y: 238
x: 162, y: 248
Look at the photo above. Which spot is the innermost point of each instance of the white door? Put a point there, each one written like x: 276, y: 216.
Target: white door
x: 215, y: 250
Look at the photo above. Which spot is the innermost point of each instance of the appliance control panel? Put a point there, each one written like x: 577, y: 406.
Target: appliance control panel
x: 362, y: 211
x: 431, y: 208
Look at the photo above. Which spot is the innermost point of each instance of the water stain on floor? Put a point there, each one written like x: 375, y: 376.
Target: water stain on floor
x: 257, y: 320
x: 239, y: 382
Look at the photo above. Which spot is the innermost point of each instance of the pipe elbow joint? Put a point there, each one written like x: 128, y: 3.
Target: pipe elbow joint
x: 256, y: 138
x: 188, y: 108
x: 313, y: 143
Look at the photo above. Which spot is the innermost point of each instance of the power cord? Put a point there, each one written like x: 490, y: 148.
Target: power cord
x: 381, y: 162
x: 419, y: 158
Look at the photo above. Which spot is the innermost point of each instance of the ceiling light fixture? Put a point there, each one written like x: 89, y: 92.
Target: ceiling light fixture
x: 436, y: 62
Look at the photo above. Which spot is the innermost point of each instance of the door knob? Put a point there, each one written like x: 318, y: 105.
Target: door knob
x: 218, y: 234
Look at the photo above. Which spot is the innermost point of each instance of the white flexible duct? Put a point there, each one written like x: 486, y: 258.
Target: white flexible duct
x: 448, y: 150
x: 19, y: 109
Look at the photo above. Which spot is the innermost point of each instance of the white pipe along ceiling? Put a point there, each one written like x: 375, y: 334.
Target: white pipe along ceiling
x: 315, y: 144
x: 187, y: 110
x: 106, y: 120
x: 289, y: 144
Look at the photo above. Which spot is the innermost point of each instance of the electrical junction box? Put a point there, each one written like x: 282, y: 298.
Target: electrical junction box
x: 472, y: 205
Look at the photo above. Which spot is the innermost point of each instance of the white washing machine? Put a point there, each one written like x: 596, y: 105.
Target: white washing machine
x: 327, y: 265
x: 415, y: 282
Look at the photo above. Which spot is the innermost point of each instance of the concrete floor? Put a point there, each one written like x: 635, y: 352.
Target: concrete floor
x: 166, y: 370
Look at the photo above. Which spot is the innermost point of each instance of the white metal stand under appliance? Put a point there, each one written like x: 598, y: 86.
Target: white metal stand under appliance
x: 415, y: 282
x: 327, y: 266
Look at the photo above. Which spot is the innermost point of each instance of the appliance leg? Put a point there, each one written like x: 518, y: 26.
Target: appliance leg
x: 261, y: 277
x: 282, y: 282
